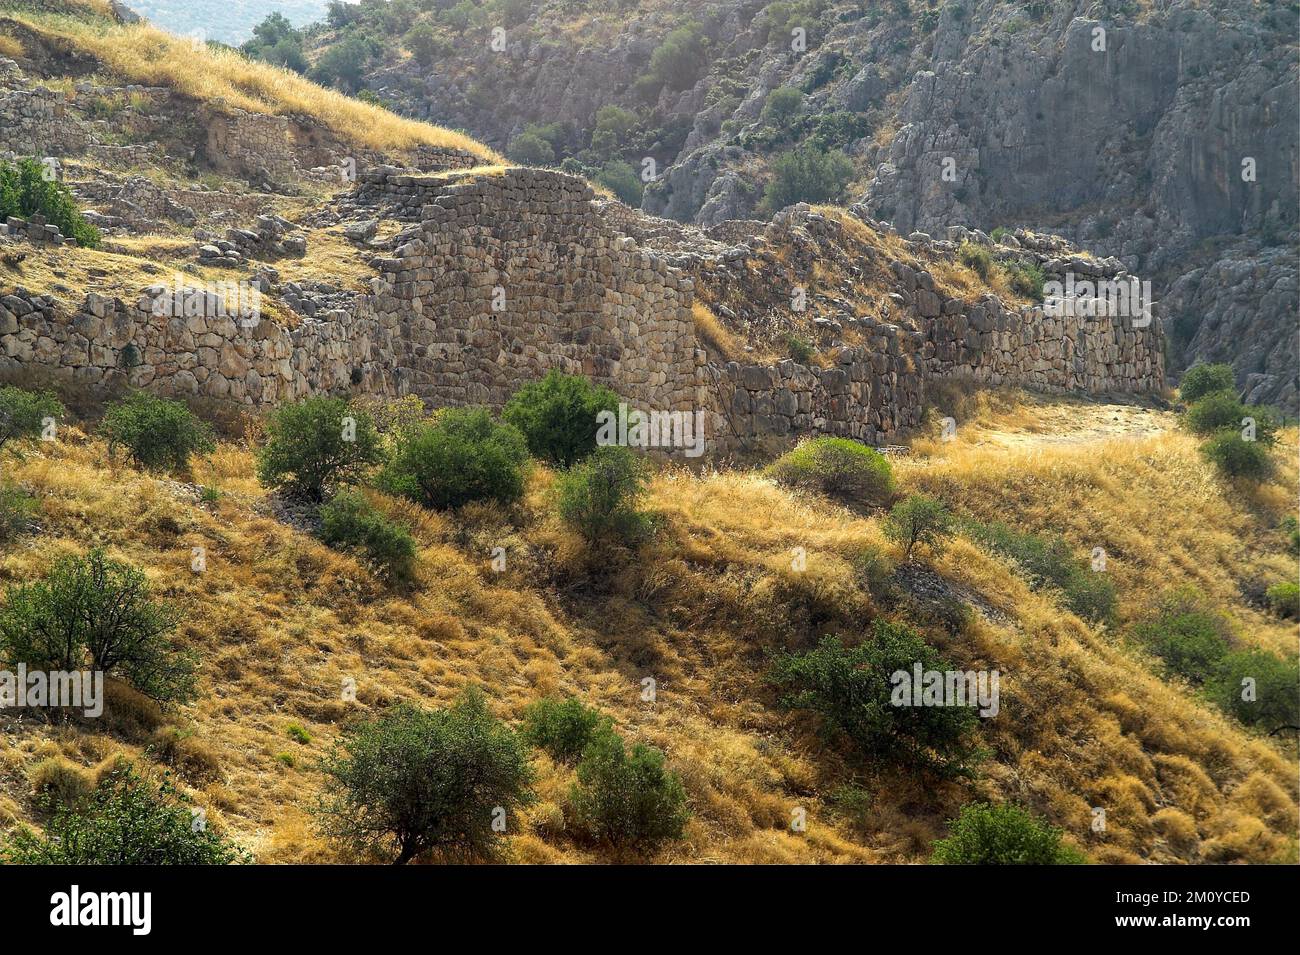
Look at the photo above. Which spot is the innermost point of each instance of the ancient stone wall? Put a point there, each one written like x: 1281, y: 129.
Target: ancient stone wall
x: 508, y: 275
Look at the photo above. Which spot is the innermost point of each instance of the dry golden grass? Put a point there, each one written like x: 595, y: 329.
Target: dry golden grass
x: 280, y: 621
x: 146, y: 55
x: 714, y: 334
x: 10, y: 46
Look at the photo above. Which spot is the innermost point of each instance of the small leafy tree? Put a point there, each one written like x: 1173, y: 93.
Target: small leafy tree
x: 622, y: 180
x: 837, y: 466
x: 23, y: 413
x: 563, y: 726
x: 557, y: 415
x: 627, y: 800
x: 461, y: 457
x: 850, y: 689
x: 416, y: 781
x: 807, y: 174
x: 25, y: 191
x: 316, y: 443
x: 1002, y: 835
x: 1201, y: 380
x: 103, y: 610
x: 783, y: 104
x: 350, y: 520
x: 531, y: 150
x: 424, y: 44
x: 680, y: 59
x: 129, y: 819
x: 1214, y: 412
x: 599, y: 496
x: 157, y: 433
x: 918, y: 519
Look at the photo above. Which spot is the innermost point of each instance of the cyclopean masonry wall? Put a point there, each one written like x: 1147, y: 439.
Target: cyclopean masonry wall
x: 507, y: 275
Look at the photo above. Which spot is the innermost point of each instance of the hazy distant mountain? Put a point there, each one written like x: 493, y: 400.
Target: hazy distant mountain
x: 230, y: 21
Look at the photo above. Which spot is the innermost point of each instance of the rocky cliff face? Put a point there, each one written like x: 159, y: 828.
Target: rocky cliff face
x: 1163, y: 135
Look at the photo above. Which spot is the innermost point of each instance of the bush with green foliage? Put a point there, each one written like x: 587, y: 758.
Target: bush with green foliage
x: 1258, y: 688
x: 129, y: 819
x: 424, y: 45
x: 276, y: 41
x: 316, y: 443
x: 801, y: 350
x: 345, y: 63
x: 350, y: 520
x: 158, y: 433
x: 850, y: 690
x: 680, y: 60
x: 807, y: 174
x: 627, y: 800
x: 622, y: 180
x: 25, y: 191
x: 1201, y: 380
x: 1290, y: 528
x: 977, y: 258
x: 416, y: 781
x: 101, y: 612
x: 1284, y: 599
x: 557, y: 416
x: 1049, y: 562
x: 598, y: 497
x: 614, y: 129
x: 563, y: 726
x: 1002, y: 835
x: 1235, y: 457
x: 23, y: 413
x: 1214, y: 412
x: 837, y: 466
x: 463, y: 455
x: 17, y: 510
x: 1187, y: 633
x: 531, y: 150
x: 783, y: 104
x: 919, y: 519
x: 1026, y: 278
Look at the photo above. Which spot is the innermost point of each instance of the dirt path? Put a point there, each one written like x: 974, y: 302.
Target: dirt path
x: 1071, y: 421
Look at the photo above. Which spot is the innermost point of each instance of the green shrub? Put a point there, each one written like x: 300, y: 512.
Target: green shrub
x: 622, y: 180
x: 627, y: 800
x: 801, y: 350
x: 17, y: 509
x: 1002, y: 835
x: 316, y: 443
x: 976, y: 257
x: 599, y: 496
x: 99, y: 610
x: 25, y: 192
x: 1221, y: 411
x: 1284, y: 599
x: 1187, y: 633
x: 837, y: 466
x: 128, y: 820
x: 1290, y: 528
x: 349, y: 520
x: 1050, y: 562
x: 1201, y: 380
x: 1258, y: 688
x: 1235, y: 457
x: 807, y: 174
x: 298, y: 733
x: 563, y: 726
x: 416, y: 781
x: 462, y: 456
x: 23, y: 414
x: 557, y: 416
x: 1026, y: 278
x: 850, y: 690
x: 783, y: 104
x: 424, y: 45
x: 918, y: 519
x: 344, y: 64
x: 158, y: 433
x: 680, y: 59
x: 531, y: 150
